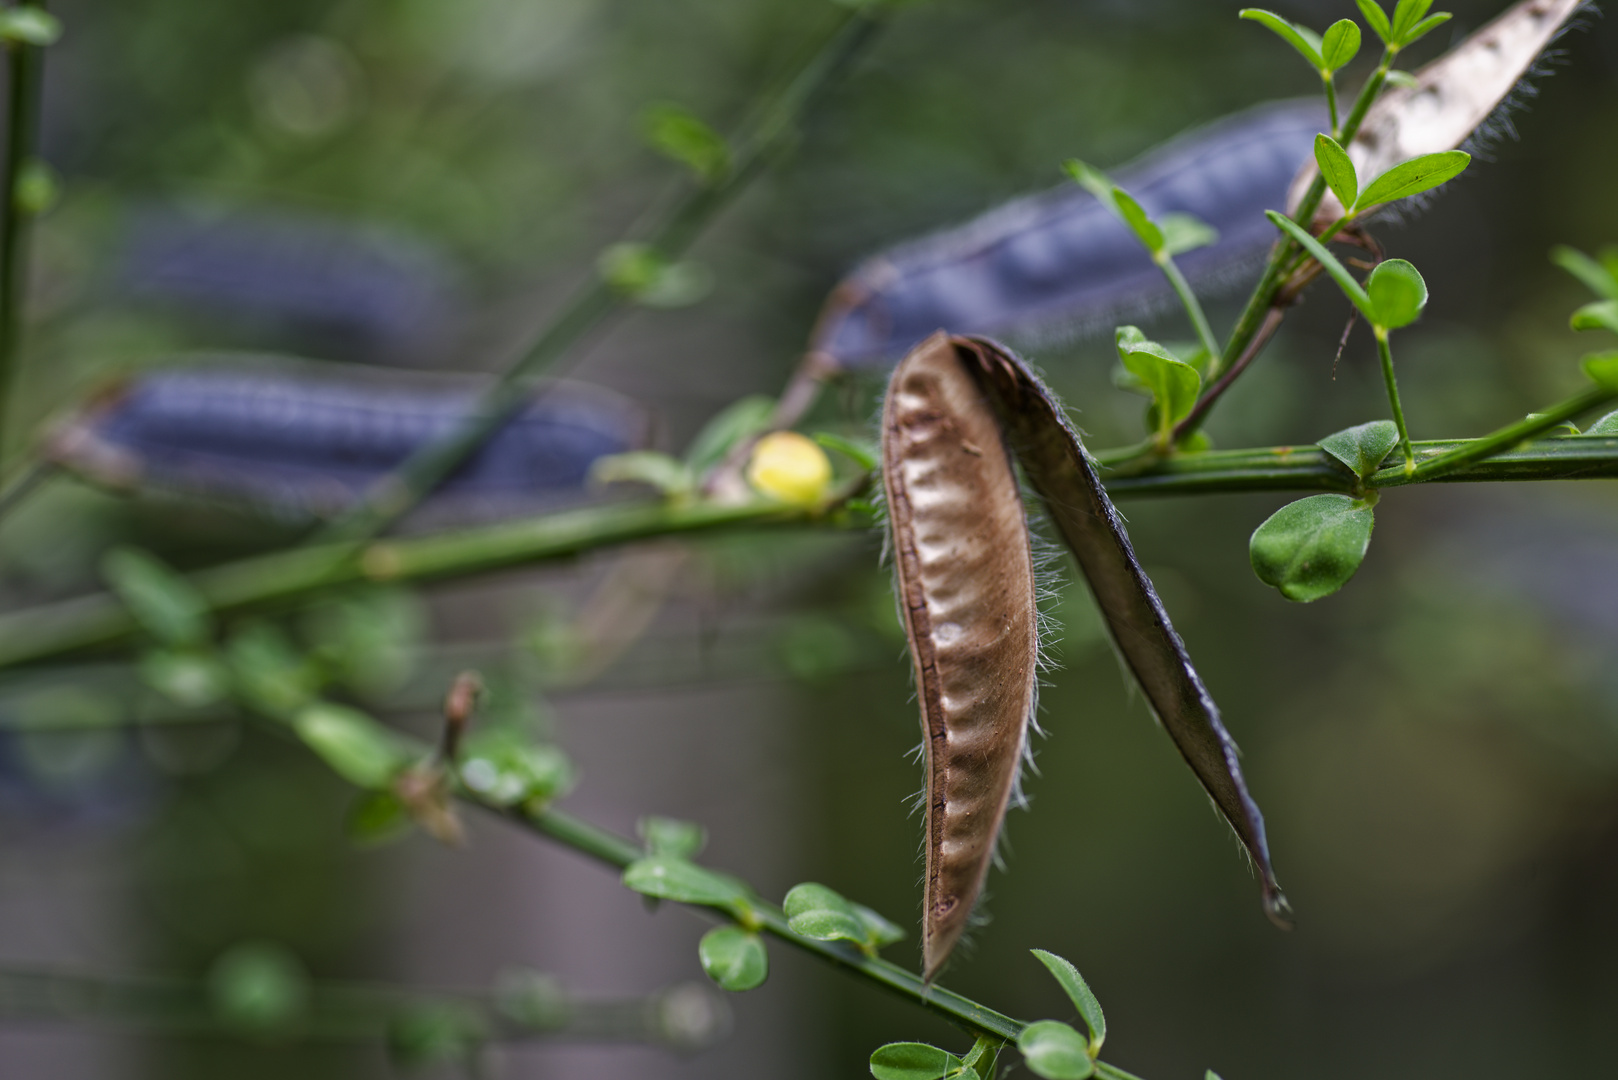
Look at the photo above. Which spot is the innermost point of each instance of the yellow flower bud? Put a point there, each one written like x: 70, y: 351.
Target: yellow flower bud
x: 789, y: 467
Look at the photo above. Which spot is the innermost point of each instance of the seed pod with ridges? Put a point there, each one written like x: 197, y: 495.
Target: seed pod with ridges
x: 965, y: 582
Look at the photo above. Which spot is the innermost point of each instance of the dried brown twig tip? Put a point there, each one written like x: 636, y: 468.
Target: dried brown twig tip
x: 459, y: 706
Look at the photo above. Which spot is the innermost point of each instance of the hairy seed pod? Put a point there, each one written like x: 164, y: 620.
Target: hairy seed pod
x: 1059, y: 261
x: 1453, y: 99
x: 1054, y: 460
x: 307, y: 440
x: 965, y: 584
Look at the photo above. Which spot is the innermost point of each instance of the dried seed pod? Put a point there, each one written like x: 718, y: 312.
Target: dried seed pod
x: 1054, y: 460
x: 1454, y: 97
x: 1059, y: 261
x: 965, y: 583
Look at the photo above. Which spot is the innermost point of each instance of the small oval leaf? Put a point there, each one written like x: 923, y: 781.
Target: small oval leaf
x: 356, y: 747
x: 1144, y: 228
x: 734, y: 958
x: 1363, y: 447
x: 1339, y: 45
x: 1600, y: 316
x: 1310, y: 548
x: 823, y: 914
x: 165, y: 604
x: 1607, y: 425
x: 1338, y: 170
x: 670, y: 836
x: 1603, y: 368
x: 1079, y: 991
x: 1377, y: 18
x: 1307, y: 44
x: 667, y: 878
x: 912, y: 1061
x: 1398, y: 293
x: 1055, y: 1051
x: 1414, y: 177
x: 1185, y: 232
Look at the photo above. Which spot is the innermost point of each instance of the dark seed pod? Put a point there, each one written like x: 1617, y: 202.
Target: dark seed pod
x: 965, y: 583
x: 1054, y: 460
x: 1060, y: 260
x: 308, y: 442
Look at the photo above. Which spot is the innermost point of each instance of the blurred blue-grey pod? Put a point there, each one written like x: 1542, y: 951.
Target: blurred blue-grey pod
x: 369, y: 288
x: 304, y: 440
x: 1059, y: 262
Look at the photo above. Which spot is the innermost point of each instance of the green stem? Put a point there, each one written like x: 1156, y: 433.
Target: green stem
x: 598, y: 300
x: 1385, y: 353
x: 1193, y: 307
x: 1331, y: 103
x: 22, y: 135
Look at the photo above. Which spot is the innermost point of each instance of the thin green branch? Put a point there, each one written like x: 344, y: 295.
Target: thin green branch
x: 1193, y: 307
x: 25, y: 68
x: 1384, y: 353
x: 599, y: 299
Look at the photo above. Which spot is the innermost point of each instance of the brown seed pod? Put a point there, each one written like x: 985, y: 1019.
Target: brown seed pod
x: 965, y: 583
x: 1453, y: 99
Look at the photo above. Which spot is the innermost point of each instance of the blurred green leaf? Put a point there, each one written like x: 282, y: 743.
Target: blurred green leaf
x: 912, y: 1061
x: 1414, y: 177
x: 1305, y: 41
x: 1398, y: 293
x: 667, y: 878
x: 531, y: 998
x: 1185, y: 232
x: 1603, y: 368
x: 1598, y: 278
x: 1145, y: 230
x: 668, y: 475
x: 1425, y: 27
x: 645, y: 275
x: 1055, y: 1051
x: 823, y: 914
x: 377, y: 818
x: 366, y: 640
x: 164, y: 603
x: 356, y: 747
x: 679, y: 134
x: 1406, y: 14
x: 1091, y: 179
x: 190, y: 678
x: 863, y: 454
x: 1310, y: 548
x: 1377, y: 19
x: 1079, y: 992
x: 1339, y: 45
x: 425, y: 1033
x: 38, y: 188
x: 269, y: 672
x: 1403, y: 80
x: 259, y: 989
x: 734, y: 958
x: 29, y: 25
x: 506, y: 768
x: 742, y: 419
x: 1598, y: 316
x: 1339, y: 273
x: 878, y: 930
x: 1362, y: 447
x: 669, y: 836
x: 1607, y: 425
x: 1338, y: 170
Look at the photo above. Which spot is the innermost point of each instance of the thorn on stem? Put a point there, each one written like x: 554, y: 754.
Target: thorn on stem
x: 459, y: 706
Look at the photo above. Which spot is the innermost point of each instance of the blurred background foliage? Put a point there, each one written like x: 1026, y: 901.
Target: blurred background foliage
x: 417, y: 183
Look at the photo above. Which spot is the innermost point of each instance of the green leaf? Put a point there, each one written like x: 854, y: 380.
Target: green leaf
x: 680, y: 135
x: 648, y: 277
x: 1091, y: 179
x: 356, y: 747
x: 259, y: 989
x: 742, y: 419
x: 1362, y: 448
x: 1406, y: 14
x: 670, y: 836
x: 1596, y: 277
x: 1413, y: 177
x: 1173, y: 384
x: 878, y: 930
x: 1337, y: 270
x: 861, y: 453
x: 1425, y: 27
x: 823, y: 914
x: 1079, y: 991
x: 505, y: 769
x: 734, y: 958
x: 1135, y: 217
x: 1339, y: 45
x: 269, y: 671
x: 1603, y: 368
x: 668, y: 878
x: 378, y: 817
x: 1310, y: 548
x: 1307, y: 44
x: 1055, y: 1051
x: 912, y: 1061
x: 38, y: 187
x: 164, y: 603
x: 188, y: 678
x: 1403, y: 80
x: 668, y: 475
x: 1598, y: 316
x: 1185, y: 232
x: 1210, y: 1075
x: 1398, y: 293
x: 424, y: 1033
x: 1338, y: 170
x: 1607, y: 425
x: 1378, y: 20
x: 29, y: 26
